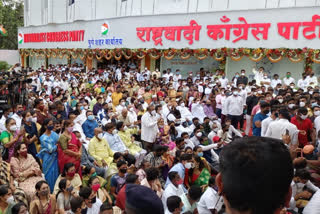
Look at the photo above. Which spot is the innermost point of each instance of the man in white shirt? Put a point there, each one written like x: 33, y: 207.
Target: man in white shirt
x: 173, y: 188
x: 288, y: 79
x: 313, y: 80
x: 197, y: 110
x: 6, y: 114
x: 266, y: 80
x: 258, y: 75
x: 210, y: 202
x: 90, y: 198
x: 275, y: 81
x: 304, y: 82
x: 17, y: 116
x: 132, y: 115
x: 234, y: 105
x: 224, y: 81
x: 279, y: 128
x: 149, y: 127
x: 266, y: 122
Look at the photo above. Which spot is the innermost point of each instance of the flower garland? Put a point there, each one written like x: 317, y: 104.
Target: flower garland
x: 219, y: 54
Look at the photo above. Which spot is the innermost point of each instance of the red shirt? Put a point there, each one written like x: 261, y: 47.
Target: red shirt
x: 305, y: 125
x: 121, y: 198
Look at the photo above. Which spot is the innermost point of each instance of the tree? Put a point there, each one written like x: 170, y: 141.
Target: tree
x: 11, y: 17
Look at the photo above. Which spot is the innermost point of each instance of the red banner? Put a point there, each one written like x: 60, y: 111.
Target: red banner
x: 62, y: 36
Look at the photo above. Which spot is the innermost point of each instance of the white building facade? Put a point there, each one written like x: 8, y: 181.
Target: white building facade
x: 177, y: 24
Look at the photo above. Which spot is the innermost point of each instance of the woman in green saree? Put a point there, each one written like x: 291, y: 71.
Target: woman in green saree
x: 200, y: 174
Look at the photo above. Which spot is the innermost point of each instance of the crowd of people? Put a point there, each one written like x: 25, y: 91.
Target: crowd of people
x: 120, y: 139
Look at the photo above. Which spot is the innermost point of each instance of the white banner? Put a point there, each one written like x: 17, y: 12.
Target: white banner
x: 268, y: 28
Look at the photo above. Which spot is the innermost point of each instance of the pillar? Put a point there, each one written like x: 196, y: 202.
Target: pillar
x: 22, y: 60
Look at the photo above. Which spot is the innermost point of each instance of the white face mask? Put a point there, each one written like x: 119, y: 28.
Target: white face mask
x: 188, y: 165
x: 100, y: 135
x: 317, y: 113
x: 34, y: 119
x: 303, y: 117
x: 153, y: 112
x: 291, y: 105
x: 182, y: 105
x: 300, y: 185
x: 13, y: 128
x: 123, y: 103
x: 235, y: 93
x: 199, y: 134
x: 10, y: 200
x: 114, y: 131
x: 131, y: 109
x: 125, y: 128
x: 302, y: 104
x: 280, y: 100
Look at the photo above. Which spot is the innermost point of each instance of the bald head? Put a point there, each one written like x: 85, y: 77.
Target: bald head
x: 124, y: 112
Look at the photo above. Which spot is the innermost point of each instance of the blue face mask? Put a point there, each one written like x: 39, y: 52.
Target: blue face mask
x: 10, y: 114
x: 200, y: 154
x: 81, y: 108
x: 90, y: 117
x: 314, y: 104
x: 50, y: 128
x: 237, y: 75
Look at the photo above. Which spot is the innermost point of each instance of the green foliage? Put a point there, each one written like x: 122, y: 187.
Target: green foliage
x: 4, y: 66
x: 11, y: 17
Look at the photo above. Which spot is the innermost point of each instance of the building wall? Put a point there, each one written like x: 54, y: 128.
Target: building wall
x: 42, y: 12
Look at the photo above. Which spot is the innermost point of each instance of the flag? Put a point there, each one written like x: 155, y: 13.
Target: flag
x: 3, y: 31
x: 104, y: 29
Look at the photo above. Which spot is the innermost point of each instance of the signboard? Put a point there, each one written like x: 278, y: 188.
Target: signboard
x: 267, y: 28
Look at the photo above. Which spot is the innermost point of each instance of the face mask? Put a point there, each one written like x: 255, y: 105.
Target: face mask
x: 288, y: 76
x: 235, y: 93
x: 71, y: 174
x: 69, y: 189
x: 123, y: 103
x: 95, y: 187
x: 90, y: 117
x: 317, y: 113
x: 153, y: 112
x: 114, y: 131
x: 302, y: 104
x: 265, y: 77
x: 291, y: 86
x: 123, y: 170
x: 303, y: 117
x: 13, y: 128
x: 242, y: 74
x: 188, y: 165
x: 276, y: 114
x: 10, y: 200
x: 81, y: 108
x: 70, y: 129
x: 200, y: 154
x: 291, y: 105
x: 300, y: 185
x: 266, y: 111
x: 182, y: 104
x: 24, y: 154
x: 29, y: 119
x: 280, y: 100
x: 311, y: 92
x: 93, y: 200
x: 125, y: 128
x: 199, y: 134
x: 44, y: 193
x: 50, y: 128
x: 179, y: 182
x: 10, y: 114
x: 237, y: 75
x: 100, y: 136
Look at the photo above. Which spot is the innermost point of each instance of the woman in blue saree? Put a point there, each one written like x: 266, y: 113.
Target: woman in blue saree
x: 48, y: 152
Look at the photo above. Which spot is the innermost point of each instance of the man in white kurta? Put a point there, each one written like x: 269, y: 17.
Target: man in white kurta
x: 149, y: 127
